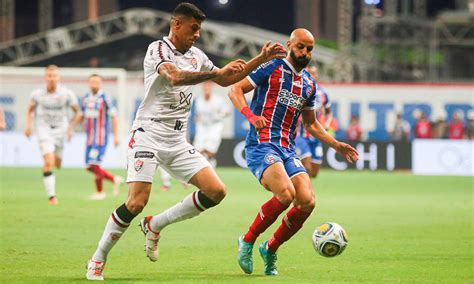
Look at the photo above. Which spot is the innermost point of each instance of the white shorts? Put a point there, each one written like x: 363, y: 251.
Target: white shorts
x: 51, y: 139
x: 146, y: 151
x: 208, y: 138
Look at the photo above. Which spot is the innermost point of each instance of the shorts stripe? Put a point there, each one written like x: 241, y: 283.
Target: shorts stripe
x: 298, y: 173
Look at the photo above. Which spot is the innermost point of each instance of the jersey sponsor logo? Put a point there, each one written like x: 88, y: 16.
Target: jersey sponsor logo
x: 185, y: 101
x: 138, y: 165
x: 289, y: 99
x: 144, y: 154
x: 270, y: 159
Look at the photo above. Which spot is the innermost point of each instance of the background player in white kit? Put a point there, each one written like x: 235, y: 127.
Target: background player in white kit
x: 50, y: 104
x: 158, y: 136
x: 210, y: 111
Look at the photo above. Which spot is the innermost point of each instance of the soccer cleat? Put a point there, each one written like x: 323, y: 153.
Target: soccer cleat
x: 53, y: 200
x: 98, y: 196
x: 95, y: 270
x: 151, y: 239
x: 269, y: 259
x: 118, y: 180
x: 244, y: 255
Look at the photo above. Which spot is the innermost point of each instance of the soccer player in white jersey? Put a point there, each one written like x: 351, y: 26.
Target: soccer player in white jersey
x: 49, y: 105
x: 210, y: 111
x: 158, y: 135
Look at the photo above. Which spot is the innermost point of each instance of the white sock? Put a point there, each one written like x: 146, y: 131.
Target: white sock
x: 183, y: 210
x: 50, y: 185
x: 165, y: 177
x: 111, y: 235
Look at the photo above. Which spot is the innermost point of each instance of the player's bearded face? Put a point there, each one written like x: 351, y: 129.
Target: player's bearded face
x: 302, y: 60
x: 94, y: 84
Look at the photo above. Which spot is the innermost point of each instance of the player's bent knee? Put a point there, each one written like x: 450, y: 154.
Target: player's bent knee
x: 135, y: 206
x: 286, y: 196
x: 308, y: 205
x: 217, y: 193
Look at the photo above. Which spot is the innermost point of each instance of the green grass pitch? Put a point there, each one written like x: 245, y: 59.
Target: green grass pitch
x: 402, y: 229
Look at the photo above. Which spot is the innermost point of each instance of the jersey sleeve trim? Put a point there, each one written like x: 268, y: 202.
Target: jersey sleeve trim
x: 159, y: 64
x: 251, y: 81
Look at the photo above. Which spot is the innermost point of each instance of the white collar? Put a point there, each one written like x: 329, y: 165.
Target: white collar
x: 168, y: 41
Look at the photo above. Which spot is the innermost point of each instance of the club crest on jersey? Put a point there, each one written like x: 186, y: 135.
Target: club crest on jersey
x: 270, y: 159
x: 138, y: 165
x: 194, y: 62
x: 309, y: 91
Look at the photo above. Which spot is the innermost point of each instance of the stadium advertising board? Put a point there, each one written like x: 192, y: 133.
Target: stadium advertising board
x: 443, y: 157
x: 372, y: 156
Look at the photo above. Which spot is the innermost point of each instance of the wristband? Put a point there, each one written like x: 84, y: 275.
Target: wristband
x: 248, y: 113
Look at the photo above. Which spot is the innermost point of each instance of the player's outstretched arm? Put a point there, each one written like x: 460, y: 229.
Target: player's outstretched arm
x: 74, y: 121
x: 269, y: 51
x: 29, y: 120
x: 237, y: 96
x: 312, y: 125
x: 178, y: 77
x: 115, y: 130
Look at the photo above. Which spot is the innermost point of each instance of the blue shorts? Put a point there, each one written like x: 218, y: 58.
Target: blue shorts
x: 94, y: 154
x: 261, y: 156
x: 309, y: 147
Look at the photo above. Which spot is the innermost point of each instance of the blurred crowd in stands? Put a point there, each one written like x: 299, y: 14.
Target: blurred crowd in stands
x: 440, y: 128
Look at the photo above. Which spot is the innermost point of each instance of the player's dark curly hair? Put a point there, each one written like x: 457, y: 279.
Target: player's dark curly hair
x: 189, y: 10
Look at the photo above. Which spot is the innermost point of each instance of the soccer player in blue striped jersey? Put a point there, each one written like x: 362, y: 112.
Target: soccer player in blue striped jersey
x: 284, y: 90
x: 98, y: 113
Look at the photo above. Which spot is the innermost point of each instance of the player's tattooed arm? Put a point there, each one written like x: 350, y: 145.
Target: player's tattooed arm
x: 237, y: 96
x: 312, y: 125
x: 269, y: 51
x: 178, y: 77
x: 29, y: 120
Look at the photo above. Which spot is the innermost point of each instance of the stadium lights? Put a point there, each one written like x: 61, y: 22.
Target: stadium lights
x: 372, y: 2
x: 223, y: 2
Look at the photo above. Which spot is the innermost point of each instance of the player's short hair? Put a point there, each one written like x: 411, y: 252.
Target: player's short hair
x: 95, y: 75
x: 189, y: 10
x: 52, y: 67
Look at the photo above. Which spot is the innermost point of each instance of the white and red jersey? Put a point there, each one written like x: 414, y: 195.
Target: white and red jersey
x: 210, y: 112
x: 51, y: 109
x: 166, y: 107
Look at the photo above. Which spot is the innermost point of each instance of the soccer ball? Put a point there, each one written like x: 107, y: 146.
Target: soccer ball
x: 329, y: 239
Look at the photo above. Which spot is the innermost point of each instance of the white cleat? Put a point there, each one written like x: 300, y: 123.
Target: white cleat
x: 98, y: 196
x: 95, y: 270
x: 151, y: 239
x: 118, y: 180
